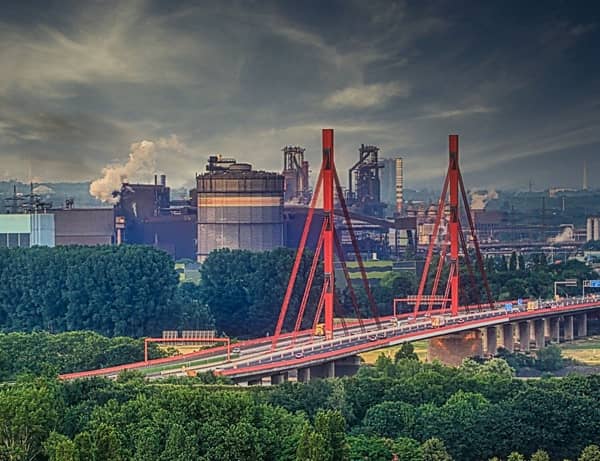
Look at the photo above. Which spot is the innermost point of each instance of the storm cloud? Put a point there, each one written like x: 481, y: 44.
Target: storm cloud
x: 520, y: 82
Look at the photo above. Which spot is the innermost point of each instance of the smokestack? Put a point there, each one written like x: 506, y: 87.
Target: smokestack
x: 163, y: 180
x: 399, y: 185
x: 585, y: 177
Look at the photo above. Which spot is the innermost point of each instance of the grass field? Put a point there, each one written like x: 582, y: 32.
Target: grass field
x: 371, y: 357
x: 586, y: 351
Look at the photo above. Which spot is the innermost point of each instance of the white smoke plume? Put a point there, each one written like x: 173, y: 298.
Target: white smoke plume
x: 141, y: 164
x: 565, y: 235
x: 479, y: 199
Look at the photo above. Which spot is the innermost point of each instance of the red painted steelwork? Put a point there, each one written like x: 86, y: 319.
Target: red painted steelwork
x: 328, y: 243
x: 453, y: 225
x: 306, y: 295
x: 359, y: 260
x: 297, y: 261
x: 453, y: 184
x: 436, y: 228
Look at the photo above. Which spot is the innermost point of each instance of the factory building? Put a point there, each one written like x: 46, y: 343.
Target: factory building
x: 392, y: 184
x: 238, y: 208
x: 295, y: 174
x: 145, y: 215
x: 26, y: 230
x: 84, y: 226
x: 592, y: 228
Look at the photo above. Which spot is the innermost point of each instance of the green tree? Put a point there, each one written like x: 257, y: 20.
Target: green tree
x: 406, y: 351
x: 180, y: 445
x: 363, y: 447
x: 390, y: 419
x: 515, y: 456
x: 540, y: 455
x: 590, y: 453
x: 549, y: 358
x: 29, y: 410
x: 332, y: 426
x: 434, y: 450
x: 60, y: 448
x: 407, y: 449
x: 312, y: 446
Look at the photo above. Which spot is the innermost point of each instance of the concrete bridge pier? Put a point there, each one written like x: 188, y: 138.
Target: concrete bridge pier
x: 452, y: 349
x: 554, y: 323
x: 326, y: 370
x: 491, y: 340
x: 279, y: 378
x: 538, y: 333
x: 347, y: 366
x: 304, y: 375
x: 581, y: 325
x: 568, y: 327
x: 524, y: 336
x: 508, y: 337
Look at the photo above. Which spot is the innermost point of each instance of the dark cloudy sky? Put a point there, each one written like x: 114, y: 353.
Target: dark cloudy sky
x: 518, y: 80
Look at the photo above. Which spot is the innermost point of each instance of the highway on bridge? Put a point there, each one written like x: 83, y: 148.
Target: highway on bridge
x: 255, y: 357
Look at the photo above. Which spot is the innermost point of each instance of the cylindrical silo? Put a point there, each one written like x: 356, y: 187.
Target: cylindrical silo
x: 596, y: 228
x: 589, y: 229
x: 239, y: 208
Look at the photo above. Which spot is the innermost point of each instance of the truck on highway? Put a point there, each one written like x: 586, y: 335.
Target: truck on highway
x: 532, y: 305
x: 320, y: 329
x: 438, y: 321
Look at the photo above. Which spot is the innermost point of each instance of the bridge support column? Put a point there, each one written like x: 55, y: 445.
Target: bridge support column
x: 292, y: 376
x: 581, y: 325
x: 279, y: 379
x: 524, y: 334
x: 508, y: 337
x: 555, y: 330
x: 304, y: 375
x: 491, y: 340
x: 568, y: 328
x: 547, y: 329
x: 454, y: 348
x: 266, y: 381
x: 348, y: 366
x: 538, y: 332
x: 325, y: 370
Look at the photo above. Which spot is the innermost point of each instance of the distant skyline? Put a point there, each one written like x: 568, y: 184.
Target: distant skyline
x: 518, y: 81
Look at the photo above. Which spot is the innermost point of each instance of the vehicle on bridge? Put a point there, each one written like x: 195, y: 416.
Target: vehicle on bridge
x: 438, y: 321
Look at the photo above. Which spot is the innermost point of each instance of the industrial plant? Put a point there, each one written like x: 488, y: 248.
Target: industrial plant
x: 235, y: 206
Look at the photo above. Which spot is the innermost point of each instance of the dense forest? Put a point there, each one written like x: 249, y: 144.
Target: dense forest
x: 113, y: 290
x: 45, y: 353
x: 134, y: 291
x: 416, y: 411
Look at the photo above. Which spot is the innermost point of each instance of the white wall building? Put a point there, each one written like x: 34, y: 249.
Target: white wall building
x: 26, y: 230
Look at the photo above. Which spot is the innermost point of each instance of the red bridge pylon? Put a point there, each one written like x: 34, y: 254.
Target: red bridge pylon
x: 329, y: 244
x: 453, y: 238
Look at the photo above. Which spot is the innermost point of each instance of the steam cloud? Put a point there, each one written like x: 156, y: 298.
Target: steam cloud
x: 479, y: 199
x: 141, y: 163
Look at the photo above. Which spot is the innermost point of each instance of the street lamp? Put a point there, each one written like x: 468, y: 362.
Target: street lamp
x: 568, y: 283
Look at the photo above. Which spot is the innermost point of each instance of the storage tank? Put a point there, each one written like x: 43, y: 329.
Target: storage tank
x: 239, y: 208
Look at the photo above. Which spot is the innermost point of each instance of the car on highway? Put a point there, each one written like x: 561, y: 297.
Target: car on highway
x: 236, y: 350
x: 372, y: 337
x: 299, y: 354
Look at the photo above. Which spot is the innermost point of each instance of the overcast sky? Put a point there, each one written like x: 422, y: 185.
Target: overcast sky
x: 518, y: 80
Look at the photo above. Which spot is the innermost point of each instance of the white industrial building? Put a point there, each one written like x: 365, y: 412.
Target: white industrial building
x: 26, y: 230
